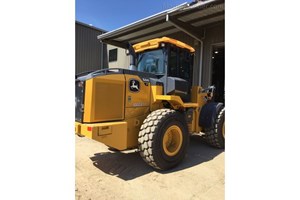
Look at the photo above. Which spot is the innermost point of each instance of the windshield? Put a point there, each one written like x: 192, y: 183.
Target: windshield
x: 151, y: 61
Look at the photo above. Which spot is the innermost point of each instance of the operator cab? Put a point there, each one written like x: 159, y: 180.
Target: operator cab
x: 171, y: 61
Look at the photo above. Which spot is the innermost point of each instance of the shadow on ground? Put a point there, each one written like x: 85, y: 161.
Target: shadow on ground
x: 129, y: 165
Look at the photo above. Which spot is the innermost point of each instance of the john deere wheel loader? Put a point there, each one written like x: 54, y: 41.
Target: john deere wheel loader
x: 152, y: 107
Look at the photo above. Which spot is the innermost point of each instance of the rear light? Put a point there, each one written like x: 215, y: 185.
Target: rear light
x: 89, y: 128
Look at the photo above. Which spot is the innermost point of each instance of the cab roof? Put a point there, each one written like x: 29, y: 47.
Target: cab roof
x: 154, y: 43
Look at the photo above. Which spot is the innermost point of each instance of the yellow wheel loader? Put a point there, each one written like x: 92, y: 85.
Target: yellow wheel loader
x: 152, y: 106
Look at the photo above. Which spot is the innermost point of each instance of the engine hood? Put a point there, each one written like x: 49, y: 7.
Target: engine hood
x: 89, y: 75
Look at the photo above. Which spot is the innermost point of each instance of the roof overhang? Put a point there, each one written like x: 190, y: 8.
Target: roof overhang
x: 90, y: 26
x: 187, y: 17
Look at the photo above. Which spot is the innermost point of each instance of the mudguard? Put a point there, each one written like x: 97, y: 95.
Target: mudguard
x: 208, y: 114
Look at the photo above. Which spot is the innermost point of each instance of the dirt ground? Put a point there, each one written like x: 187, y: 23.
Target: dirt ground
x: 105, y: 174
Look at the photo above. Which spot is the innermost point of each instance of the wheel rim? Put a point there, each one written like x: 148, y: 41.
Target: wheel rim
x: 172, y: 140
x: 223, y: 129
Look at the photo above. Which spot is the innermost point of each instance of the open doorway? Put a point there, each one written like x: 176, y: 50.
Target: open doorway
x: 218, y: 72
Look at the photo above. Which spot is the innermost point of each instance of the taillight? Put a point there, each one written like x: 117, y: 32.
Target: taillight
x: 89, y: 128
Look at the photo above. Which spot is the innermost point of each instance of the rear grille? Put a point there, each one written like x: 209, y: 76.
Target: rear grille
x: 79, y: 100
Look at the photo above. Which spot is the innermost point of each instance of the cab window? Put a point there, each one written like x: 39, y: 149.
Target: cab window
x: 179, y: 64
x: 151, y: 61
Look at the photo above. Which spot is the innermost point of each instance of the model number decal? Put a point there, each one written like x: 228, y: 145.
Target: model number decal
x: 139, y: 104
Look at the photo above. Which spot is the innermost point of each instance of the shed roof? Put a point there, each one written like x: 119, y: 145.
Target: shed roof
x: 187, y: 17
x: 90, y: 26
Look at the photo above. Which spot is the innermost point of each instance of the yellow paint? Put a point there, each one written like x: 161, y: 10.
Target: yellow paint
x: 190, y: 105
x: 137, y: 99
x: 134, y: 117
x: 175, y: 101
x: 88, y: 99
x: 200, y: 98
x: 136, y: 111
x: 197, y: 96
x: 172, y: 140
x: 133, y: 128
x: 77, y: 127
x: 108, y: 98
x: 195, y: 92
x: 113, y: 134
x: 154, y: 44
x: 156, y: 104
x: 104, y: 98
x: 137, y: 107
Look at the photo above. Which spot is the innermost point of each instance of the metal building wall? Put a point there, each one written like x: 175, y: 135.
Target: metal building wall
x: 123, y: 60
x: 90, y: 53
x: 212, y: 34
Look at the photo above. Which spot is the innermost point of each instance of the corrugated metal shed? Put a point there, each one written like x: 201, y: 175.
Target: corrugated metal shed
x: 195, y: 15
x: 90, y: 53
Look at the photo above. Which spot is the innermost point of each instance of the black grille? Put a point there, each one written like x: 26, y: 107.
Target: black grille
x: 79, y: 100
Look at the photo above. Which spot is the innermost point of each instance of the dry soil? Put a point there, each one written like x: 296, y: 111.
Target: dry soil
x: 105, y: 174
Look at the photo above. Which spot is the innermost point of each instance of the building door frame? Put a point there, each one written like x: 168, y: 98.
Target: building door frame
x: 212, y: 46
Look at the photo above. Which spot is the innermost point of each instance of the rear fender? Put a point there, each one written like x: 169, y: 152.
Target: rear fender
x: 209, y: 113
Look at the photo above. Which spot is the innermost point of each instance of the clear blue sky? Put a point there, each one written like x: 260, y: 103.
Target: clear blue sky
x: 112, y: 14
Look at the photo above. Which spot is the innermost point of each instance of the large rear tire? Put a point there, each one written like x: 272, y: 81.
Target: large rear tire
x: 215, y: 135
x: 163, y: 139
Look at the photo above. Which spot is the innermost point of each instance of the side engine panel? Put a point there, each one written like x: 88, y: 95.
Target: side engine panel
x: 104, y: 98
x: 137, y: 106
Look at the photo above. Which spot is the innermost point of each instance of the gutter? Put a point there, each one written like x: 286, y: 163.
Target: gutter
x: 142, y: 21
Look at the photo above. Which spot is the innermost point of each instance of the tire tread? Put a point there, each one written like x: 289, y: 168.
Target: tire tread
x: 212, y: 136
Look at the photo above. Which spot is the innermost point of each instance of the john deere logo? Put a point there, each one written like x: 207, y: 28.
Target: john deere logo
x: 134, y: 85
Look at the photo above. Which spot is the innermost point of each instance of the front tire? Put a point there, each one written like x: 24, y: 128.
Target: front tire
x: 163, y: 139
